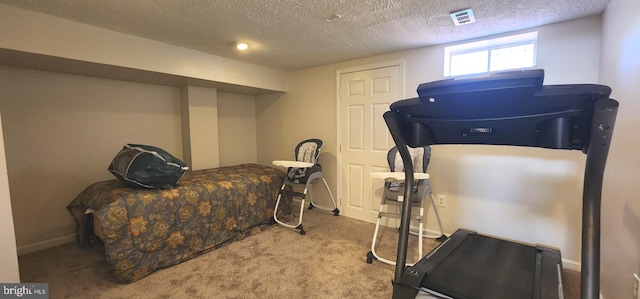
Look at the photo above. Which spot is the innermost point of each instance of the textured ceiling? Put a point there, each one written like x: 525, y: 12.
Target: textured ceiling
x: 297, y: 34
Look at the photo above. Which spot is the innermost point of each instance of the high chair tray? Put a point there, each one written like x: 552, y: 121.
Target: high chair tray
x: 297, y: 164
x: 398, y: 176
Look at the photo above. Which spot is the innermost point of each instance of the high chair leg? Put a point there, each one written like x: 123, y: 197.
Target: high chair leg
x: 275, y: 211
x: 312, y: 205
x: 442, y: 237
x: 371, y: 255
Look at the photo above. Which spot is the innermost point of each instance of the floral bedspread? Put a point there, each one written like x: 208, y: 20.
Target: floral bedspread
x: 145, y: 230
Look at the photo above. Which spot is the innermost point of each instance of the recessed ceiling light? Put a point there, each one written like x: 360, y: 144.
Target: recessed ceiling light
x: 242, y: 46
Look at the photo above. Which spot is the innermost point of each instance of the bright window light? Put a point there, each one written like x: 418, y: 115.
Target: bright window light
x: 499, y: 54
x: 469, y: 63
x: 515, y: 57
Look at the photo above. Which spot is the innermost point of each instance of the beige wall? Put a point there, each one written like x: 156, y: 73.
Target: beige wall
x: 61, y: 132
x: 308, y: 110
x: 200, y: 127
x: 530, y: 195
x: 620, y: 68
x: 237, y: 129
x: 8, y: 259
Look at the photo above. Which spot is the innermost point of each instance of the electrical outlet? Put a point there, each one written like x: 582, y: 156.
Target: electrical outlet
x: 442, y: 201
x: 636, y: 286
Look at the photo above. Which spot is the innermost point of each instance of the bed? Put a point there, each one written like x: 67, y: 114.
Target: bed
x: 144, y: 230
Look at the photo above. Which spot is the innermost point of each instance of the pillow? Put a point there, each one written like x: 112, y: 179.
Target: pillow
x: 147, y: 166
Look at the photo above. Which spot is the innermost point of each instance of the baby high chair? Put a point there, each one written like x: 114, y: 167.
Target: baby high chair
x: 394, y: 192
x: 303, y: 172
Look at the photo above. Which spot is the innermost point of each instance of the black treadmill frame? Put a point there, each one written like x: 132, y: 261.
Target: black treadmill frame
x: 601, y: 114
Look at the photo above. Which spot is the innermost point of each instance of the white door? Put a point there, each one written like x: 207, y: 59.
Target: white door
x: 364, y: 137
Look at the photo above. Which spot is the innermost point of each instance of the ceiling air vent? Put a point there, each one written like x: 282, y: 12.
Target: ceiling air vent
x: 463, y: 17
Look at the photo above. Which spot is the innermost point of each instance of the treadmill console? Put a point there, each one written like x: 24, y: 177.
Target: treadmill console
x: 509, y: 108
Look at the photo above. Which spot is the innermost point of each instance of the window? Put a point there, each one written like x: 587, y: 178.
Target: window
x: 505, y: 53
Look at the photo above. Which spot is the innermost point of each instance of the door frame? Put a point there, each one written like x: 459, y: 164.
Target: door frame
x: 339, y: 72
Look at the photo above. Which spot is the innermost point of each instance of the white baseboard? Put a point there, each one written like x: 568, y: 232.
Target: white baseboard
x: 29, y: 248
x: 571, y: 265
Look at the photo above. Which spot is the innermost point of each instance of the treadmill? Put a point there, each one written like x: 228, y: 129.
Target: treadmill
x: 513, y: 109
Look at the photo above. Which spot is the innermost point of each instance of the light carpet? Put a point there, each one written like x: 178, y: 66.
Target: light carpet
x: 328, y: 262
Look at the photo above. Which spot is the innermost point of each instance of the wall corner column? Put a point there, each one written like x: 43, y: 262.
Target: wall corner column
x: 199, y: 112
